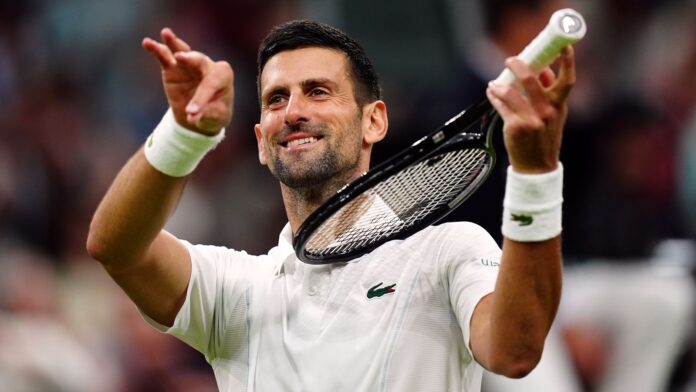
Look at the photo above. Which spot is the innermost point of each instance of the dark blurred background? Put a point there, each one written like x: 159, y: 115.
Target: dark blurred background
x: 79, y: 96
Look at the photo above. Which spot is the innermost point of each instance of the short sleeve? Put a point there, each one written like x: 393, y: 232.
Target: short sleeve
x: 469, y: 259
x: 216, y: 299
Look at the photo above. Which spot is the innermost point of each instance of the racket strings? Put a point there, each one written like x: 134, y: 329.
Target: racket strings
x: 399, y: 202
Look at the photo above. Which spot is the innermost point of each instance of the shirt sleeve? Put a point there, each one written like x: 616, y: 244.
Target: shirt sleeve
x: 469, y: 259
x: 216, y: 299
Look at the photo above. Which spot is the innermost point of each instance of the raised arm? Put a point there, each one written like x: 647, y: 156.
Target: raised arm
x: 509, y: 326
x: 126, y: 233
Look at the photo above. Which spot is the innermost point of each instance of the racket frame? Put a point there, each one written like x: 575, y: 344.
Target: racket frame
x: 455, y: 134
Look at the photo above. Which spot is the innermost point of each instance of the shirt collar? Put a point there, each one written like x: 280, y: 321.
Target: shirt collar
x: 285, y: 238
x: 286, y: 251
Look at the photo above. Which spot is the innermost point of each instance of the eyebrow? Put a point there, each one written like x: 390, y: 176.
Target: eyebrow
x: 305, y: 85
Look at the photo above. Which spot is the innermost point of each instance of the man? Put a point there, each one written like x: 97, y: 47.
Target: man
x: 417, y: 314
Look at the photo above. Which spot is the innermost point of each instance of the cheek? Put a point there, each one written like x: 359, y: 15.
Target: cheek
x: 356, y: 130
x: 266, y: 153
x: 267, y: 150
x: 270, y: 126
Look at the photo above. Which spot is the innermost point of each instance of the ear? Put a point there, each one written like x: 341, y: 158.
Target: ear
x: 375, y: 122
x: 260, y: 144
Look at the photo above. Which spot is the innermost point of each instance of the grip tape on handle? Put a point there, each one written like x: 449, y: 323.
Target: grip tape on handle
x: 565, y: 27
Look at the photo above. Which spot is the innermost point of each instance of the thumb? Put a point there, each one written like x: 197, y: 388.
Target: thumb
x: 566, y: 76
x: 214, y: 91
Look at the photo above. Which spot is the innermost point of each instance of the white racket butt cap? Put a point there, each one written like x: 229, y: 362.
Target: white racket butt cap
x: 565, y: 27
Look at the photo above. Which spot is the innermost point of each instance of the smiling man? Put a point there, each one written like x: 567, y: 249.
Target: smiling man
x: 317, y: 126
x: 424, y: 313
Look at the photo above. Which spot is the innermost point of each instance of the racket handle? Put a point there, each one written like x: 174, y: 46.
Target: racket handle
x: 565, y: 27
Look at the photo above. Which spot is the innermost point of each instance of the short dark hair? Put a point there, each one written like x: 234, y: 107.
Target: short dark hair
x: 299, y: 34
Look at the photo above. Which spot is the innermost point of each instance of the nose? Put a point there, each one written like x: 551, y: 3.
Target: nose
x: 296, y: 110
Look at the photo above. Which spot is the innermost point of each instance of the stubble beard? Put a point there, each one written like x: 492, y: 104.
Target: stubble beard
x: 321, y: 177
x: 311, y: 174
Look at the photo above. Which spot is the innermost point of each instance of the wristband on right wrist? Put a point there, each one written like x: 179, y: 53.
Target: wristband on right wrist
x: 176, y: 151
x: 532, y: 208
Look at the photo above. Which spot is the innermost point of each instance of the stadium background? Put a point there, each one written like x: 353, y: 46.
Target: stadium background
x: 79, y: 95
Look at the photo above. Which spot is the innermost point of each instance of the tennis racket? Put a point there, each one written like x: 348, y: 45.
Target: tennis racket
x: 423, y: 183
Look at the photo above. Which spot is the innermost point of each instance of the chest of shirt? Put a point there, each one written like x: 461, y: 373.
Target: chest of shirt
x: 361, y: 297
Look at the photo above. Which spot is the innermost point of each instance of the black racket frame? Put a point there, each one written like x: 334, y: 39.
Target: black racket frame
x: 455, y: 134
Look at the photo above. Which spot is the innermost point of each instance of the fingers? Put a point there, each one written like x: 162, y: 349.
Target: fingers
x: 500, y: 106
x: 199, y: 90
x: 534, y: 112
x: 164, y: 51
x: 215, y: 116
x: 547, y: 77
x: 211, y: 81
x: 213, y: 96
x: 546, y: 87
x: 527, y: 80
x: 174, y: 43
x: 566, y: 75
x: 513, y: 105
x: 545, y: 94
x: 537, y: 105
x: 160, y: 51
x: 192, y: 62
x: 515, y: 110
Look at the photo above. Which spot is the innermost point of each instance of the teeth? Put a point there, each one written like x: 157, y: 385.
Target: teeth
x: 297, y: 142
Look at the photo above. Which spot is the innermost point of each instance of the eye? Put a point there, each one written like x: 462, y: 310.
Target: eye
x: 317, y: 92
x: 275, y: 100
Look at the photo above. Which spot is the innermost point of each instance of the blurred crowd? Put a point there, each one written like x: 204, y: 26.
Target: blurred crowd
x: 79, y: 96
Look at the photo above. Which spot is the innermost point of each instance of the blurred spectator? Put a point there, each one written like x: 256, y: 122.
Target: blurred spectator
x: 629, y: 204
x: 39, y: 351
x: 627, y: 325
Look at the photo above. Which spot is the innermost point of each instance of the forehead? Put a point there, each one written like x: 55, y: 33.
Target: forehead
x: 294, y: 66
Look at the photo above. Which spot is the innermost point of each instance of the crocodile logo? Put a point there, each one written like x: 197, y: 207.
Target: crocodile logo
x: 523, y: 220
x: 376, y: 291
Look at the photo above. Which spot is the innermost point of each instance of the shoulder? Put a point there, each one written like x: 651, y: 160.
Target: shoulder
x: 441, y: 246
x: 454, y: 228
x: 460, y: 235
x: 454, y: 245
x: 221, y: 257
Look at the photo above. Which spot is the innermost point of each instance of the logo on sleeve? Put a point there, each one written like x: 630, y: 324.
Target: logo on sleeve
x: 376, y: 291
x: 489, y: 263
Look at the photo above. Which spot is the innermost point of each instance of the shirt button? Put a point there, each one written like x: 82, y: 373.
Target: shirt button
x: 312, y: 290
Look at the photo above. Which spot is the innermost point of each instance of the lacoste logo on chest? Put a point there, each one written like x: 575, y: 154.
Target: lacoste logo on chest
x: 376, y: 291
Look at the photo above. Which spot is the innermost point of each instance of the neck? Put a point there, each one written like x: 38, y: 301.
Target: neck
x: 301, y: 202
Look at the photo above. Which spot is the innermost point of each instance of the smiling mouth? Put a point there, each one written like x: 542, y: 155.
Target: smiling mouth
x: 299, y: 142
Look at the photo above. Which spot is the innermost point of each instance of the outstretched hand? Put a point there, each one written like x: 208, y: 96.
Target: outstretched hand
x: 199, y: 90
x: 534, y: 119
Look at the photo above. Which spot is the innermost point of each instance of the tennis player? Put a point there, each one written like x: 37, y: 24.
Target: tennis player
x: 421, y: 314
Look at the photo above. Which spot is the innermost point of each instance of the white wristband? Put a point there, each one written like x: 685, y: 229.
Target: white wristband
x: 175, y: 150
x: 532, y: 205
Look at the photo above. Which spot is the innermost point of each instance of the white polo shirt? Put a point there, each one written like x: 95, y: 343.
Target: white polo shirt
x: 396, y: 319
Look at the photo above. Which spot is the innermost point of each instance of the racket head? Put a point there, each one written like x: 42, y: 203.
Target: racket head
x: 408, y: 192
